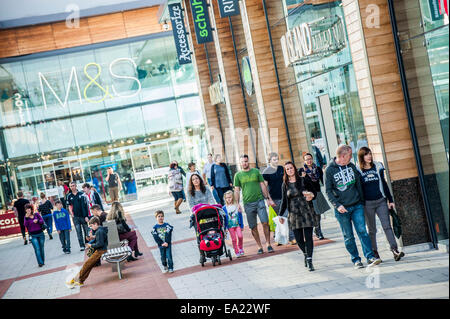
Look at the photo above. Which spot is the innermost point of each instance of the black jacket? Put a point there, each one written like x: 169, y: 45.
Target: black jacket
x: 101, y: 239
x: 316, y: 184
x: 98, y: 200
x: 302, y: 185
x: 227, y: 174
x: 79, y: 203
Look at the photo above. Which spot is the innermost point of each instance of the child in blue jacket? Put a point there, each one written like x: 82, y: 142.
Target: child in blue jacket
x: 162, y: 233
x: 234, y: 223
x: 63, y: 226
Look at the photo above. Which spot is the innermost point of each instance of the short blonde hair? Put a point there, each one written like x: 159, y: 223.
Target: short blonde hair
x: 343, y: 149
x: 159, y: 212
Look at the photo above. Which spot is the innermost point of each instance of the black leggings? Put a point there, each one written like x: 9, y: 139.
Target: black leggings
x: 303, y: 235
x: 22, y: 225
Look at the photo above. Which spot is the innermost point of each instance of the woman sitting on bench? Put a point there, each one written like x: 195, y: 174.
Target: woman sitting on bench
x: 118, y: 214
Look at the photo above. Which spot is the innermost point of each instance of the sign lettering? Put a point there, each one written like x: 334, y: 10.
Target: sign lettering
x: 179, y: 33
x: 228, y: 8
x: 304, y: 43
x: 202, y: 24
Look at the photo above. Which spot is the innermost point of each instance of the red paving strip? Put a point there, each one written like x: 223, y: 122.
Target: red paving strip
x: 5, y: 284
x: 141, y: 279
x: 250, y: 249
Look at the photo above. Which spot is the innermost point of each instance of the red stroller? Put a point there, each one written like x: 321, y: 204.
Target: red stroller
x: 207, y: 219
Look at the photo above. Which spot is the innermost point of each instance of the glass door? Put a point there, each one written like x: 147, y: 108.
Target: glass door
x: 120, y: 160
x: 161, y: 159
x: 143, y: 172
x: 76, y: 173
x: 50, y: 181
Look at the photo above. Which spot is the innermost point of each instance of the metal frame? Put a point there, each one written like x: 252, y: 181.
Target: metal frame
x: 411, y: 124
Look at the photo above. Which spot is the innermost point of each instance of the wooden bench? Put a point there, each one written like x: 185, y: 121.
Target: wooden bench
x: 118, y: 251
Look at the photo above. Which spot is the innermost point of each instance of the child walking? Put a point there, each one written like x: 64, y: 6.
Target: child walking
x: 234, y: 223
x: 63, y: 226
x: 100, y: 245
x: 162, y: 233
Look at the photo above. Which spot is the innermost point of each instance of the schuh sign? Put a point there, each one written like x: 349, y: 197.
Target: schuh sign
x: 202, y: 23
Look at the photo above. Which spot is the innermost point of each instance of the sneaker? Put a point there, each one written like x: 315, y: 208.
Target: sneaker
x: 270, y: 249
x: 40, y: 265
x: 77, y: 283
x: 358, y: 265
x: 50, y: 236
x: 241, y: 252
x: 25, y: 242
x: 278, y: 244
x: 170, y: 271
x: 373, y: 262
x: 166, y: 269
x: 68, y: 252
x: 260, y: 251
x: 82, y: 249
x: 375, y: 253
x: 293, y: 242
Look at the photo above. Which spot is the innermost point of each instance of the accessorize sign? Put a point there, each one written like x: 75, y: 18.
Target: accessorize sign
x: 202, y: 24
x: 313, y: 41
x: 179, y: 33
x: 228, y: 8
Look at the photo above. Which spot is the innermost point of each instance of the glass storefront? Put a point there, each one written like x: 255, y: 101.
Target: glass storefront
x: 68, y: 115
x: 423, y: 37
x: 326, y: 80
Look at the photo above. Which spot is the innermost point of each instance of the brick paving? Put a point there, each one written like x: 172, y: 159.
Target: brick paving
x: 279, y: 275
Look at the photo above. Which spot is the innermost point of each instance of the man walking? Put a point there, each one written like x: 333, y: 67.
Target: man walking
x: 254, y: 191
x: 273, y: 177
x: 207, y: 176
x: 19, y: 211
x: 344, y: 191
x: 114, y: 183
x: 79, y: 210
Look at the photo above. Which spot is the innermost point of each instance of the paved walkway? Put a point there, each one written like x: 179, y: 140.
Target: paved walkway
x: 278, y: 275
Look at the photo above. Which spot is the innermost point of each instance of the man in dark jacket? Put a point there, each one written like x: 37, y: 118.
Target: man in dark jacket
x: 344, y: 191
x: 79, y: 209
x: 100, y: 245
x: 220, y: 178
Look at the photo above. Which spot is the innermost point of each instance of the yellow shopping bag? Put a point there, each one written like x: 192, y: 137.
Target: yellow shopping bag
x: 272, y: 214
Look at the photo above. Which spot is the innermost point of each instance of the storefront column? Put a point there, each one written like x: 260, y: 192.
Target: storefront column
x: 380, y: 91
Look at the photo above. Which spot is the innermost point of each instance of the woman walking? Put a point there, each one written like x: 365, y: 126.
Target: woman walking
x: 198, y: 193
x: 117, y: 214
x: 45, y: 208
x: 297, y: 196
x: 33, y: 222
x: 220, y: 178
x: 175, y: 178
x: 377, y: 196
x: 314, y: 175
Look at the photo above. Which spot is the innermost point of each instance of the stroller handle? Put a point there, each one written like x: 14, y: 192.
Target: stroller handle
x: 209, y: 229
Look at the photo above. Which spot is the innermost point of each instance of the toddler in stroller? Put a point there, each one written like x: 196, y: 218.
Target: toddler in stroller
x: 209, y: 221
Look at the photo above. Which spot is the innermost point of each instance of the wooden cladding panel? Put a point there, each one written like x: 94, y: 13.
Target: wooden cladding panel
x: 52, y: 36
x: 388, y: 92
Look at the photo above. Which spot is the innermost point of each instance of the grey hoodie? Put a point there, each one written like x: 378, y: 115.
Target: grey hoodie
x: 343, y: 185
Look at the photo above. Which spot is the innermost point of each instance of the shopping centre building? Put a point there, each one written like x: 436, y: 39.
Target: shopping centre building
x: 264, y: 75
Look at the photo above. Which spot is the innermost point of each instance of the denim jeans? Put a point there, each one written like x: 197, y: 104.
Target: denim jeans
x: 214, y: 192
x: 48, y: 219
x: 166, y: 256
x: 81, y: 226
x: 355, y: 216
x: 38, y: 241
x: 64, y: 236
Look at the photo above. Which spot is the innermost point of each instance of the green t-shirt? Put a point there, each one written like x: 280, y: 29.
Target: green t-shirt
x: 249, y: 183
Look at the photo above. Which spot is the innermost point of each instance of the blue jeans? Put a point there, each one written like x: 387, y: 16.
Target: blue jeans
x: 166, y: 256
x: 214, y: 192
x: 355, y: 214
x: 80, y: 227
x: 38, y: 244
x: 64, y: 236
x: 48, y: 219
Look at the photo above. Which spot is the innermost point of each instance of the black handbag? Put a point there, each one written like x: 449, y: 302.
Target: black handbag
x: 396, y: 223
x: 44, y: 226
x: 320, y: 204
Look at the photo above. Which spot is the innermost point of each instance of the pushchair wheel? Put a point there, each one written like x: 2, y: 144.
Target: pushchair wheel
x: 203, y: 264
x: 229, y: 255
x: 213, y: 261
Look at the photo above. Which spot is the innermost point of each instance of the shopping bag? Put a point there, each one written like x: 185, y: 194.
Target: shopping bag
x: 396, y: 223
x: 320, y: 204
x: 281, y: 230
x: 272, y: 214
